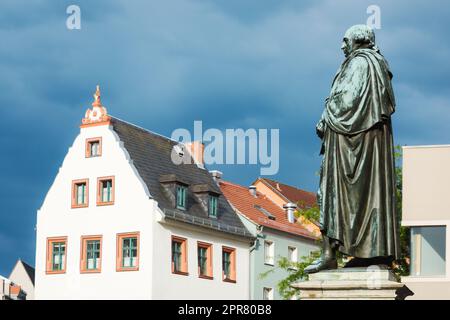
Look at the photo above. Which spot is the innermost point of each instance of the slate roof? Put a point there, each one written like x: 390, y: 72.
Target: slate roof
x: 248, y: 205
x: 290, y: 193
x: 151, y: 155
x: 29, y: 269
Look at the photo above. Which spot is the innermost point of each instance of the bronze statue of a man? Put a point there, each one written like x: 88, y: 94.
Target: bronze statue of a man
x: 357, y: 179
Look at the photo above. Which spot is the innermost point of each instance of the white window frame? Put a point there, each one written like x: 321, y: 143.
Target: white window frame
x: 295, y: 254
x: 269, y: 257
x: 267, y: 293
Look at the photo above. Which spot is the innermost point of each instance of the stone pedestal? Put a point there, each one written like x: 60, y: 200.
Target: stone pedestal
x: 374, y: 282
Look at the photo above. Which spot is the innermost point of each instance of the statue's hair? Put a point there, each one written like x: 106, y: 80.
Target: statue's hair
x: 361, y: 33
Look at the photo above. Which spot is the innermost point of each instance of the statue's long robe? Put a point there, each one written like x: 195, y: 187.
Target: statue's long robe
x: 357, y: 181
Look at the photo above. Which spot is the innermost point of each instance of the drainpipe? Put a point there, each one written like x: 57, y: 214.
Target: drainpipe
x: 259, y: 230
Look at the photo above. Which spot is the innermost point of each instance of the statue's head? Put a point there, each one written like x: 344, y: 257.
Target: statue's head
x: 358, y: 36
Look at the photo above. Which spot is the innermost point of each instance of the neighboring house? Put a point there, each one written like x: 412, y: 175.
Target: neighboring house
x: 278, y: 235
x: 123, y: 221
x: 426, y: 210
x: 23, y: 275
x: 282, y: 194
x: 10, y: 291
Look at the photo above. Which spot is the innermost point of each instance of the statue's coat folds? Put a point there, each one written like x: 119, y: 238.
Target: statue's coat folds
x: 357, y: 179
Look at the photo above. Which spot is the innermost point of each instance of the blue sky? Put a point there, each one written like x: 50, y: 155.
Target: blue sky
x: 230, y: 63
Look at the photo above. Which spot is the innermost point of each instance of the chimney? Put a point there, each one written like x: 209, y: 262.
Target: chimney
x: 196, y: 149
x: 290, y: 209
x: 217, y: 175
x: 252, y: 190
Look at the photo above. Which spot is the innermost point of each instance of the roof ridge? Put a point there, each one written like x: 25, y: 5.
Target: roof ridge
x: 288, y: 185
x: 233, y: 183
x: 144, y: 129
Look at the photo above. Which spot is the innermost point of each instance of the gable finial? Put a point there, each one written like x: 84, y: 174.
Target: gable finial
x: 97, y: 102
x: 98, y: 114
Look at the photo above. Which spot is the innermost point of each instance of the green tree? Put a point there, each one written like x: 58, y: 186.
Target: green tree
x: 296, y: 270
x: 401, y: 267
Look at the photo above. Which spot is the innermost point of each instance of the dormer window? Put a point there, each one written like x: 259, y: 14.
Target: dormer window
x: 213, y: 203
x: 93, y: 147
x: 181, y: 197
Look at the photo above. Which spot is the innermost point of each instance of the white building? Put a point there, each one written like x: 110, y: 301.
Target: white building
x: 426, y: 210
x: 122, y: 221
x: 20, y: 284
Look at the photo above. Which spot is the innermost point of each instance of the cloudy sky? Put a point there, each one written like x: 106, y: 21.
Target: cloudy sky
x: 230, y: 63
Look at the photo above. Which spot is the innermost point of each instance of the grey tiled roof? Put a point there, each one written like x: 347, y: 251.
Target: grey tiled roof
x: 151, y: 155
x: 30, y: 270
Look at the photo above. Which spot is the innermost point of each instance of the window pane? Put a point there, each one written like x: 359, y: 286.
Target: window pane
x: 80, y: 193
x: 181, y: 197
x: 92, y: 254
x: 213, y: 206
x: 63, y: 262
x: 428, y: 251
x: 58, y: 256
x: 202, y: 260
x: 90, y: 264
x: 268, y: 252
x: 176, y: 255
x: 95, y: 148
x: 129, y: 252
x: 268, y: 294
x: 127, y: 262
x: 292, y: 254
x: 106, y: 190
x: 226, y: 264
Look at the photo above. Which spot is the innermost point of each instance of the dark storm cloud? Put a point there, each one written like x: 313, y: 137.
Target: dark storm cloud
x: 164, y: 64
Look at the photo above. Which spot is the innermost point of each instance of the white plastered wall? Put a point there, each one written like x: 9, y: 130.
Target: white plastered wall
x: 132, y: 211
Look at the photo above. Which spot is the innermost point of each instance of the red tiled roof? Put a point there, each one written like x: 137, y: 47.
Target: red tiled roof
x: 241, y: 199
x: 292, y: 194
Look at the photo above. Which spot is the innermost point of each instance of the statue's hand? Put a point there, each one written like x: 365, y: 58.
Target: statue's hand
x: 320, y: 128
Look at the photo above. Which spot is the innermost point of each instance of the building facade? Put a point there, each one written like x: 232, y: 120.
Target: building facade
x: 278, y: 235
x: 426, y: 211
x: 123, y: 220
x: 22, y: 275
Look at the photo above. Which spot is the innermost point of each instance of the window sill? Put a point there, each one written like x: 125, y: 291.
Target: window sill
x: 206, y: 277
x: 181, y: 273
x: 55, y: 272
x: 77, y: 206
x: 124, y: 269
x: 229, y: 280
x: 91, y: 271
x: 269, y: 264
x: 99, y: 204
